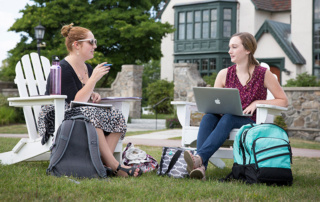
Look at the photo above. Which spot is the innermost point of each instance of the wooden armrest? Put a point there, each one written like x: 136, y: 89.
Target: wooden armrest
x: 272, y: 107
x: 264, y: 109
x: 183, y: 111
x: 35, y: 100
x: 57, y: 100
x: 182, y: 103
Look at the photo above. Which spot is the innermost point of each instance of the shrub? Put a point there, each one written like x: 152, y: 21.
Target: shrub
x: 173, y: 123
x: 9, y: 115
x: 279, y: 120
x: 210, y: 79
x: 303, y: 80
x: 151, y: 74
x: 157, y: 91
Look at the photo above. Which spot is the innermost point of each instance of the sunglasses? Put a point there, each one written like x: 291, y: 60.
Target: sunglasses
x: 91, y: 41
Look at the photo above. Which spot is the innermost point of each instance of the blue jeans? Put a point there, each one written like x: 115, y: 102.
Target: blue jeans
x: 214, y: 130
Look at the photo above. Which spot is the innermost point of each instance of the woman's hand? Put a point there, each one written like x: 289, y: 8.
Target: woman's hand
x: 85, y: 94
x: 99, y: 71
x: 251, y: 108
x: 95, y: 97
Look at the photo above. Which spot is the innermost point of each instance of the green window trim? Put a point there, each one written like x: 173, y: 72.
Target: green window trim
x: 207, y: 28
x: 316, y: 39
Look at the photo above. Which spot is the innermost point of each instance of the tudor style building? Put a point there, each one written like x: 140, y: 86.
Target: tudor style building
x: 287, y: 32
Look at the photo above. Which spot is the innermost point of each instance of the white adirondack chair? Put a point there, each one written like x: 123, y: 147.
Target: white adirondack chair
x: 30, y: 87
x: 265, y: 114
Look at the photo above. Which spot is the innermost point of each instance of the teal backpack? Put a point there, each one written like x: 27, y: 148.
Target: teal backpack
x: 262, y: 154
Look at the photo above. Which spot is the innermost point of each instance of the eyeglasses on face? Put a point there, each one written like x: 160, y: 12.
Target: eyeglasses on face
x: 91, y: 41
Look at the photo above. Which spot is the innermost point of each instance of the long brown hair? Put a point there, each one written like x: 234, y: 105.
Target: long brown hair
x: 250, y: 44
x: 73, y: 34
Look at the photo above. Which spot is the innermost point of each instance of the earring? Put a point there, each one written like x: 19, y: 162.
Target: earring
x: 77, y: 52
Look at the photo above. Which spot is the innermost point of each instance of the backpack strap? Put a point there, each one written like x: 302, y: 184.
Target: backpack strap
x: 61, y: 143
x: 80, y: 117
x: 93, y: 143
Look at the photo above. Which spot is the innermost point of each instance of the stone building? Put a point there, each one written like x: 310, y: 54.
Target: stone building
x: 287, y: 32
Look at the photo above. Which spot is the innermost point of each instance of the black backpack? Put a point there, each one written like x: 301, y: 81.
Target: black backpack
x: 75, y: 151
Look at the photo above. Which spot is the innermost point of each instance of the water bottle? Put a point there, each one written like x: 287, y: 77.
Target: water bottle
x: 55, y: 77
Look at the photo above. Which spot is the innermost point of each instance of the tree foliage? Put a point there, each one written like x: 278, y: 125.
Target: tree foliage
x: 210, y: 79
x: 151, y: 74
x: 158, y: 91
x: 124, y: 30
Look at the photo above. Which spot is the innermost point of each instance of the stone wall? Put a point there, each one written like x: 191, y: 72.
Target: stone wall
x: 302, y: 117
x: 128, y: 83
x: 185, y: 77
x: 8, y: 89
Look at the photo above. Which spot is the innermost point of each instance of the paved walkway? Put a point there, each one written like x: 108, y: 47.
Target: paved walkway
x: 161, y: 138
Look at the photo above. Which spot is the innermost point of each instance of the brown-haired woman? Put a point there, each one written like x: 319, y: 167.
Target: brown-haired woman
x: 78, y: 81
x: 252, y: 81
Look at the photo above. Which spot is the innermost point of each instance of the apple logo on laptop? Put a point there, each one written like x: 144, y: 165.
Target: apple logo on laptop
x: 217, y: 101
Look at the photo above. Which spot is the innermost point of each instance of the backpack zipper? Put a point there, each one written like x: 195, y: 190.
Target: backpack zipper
x: 270, y: 157
x: 270, y: 148
x: 241, y: 146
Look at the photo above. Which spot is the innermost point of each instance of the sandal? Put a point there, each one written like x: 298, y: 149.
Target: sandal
x: 110, y: 172
x: 129, y: 171
x: 199, y: 173
x: 192, y: 161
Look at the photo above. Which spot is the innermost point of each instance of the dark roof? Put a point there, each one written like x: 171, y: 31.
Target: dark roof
x: 203, y: 2
x: 272, y: 5
x: 281, y: 32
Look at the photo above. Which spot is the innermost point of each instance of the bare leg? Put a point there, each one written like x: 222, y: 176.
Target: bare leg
x: 112, y: 140
x: 107, y: 152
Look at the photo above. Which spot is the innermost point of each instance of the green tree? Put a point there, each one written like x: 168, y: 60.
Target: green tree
x: 158, y: 91
x: 124, y: 29
x: 151, y: 74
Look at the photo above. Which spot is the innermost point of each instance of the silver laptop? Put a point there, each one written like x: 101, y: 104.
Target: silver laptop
x: 218, y: 100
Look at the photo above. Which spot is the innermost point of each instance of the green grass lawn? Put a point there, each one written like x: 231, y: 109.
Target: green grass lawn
x: 14, y: 129
x: 28, y: 181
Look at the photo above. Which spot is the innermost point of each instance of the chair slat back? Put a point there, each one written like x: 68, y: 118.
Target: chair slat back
x: 46, y: 66
x: 38, y: 71
x: 28, y: 71
x: 269, y: 94
x: 27, y: 110
x: 30, y: 85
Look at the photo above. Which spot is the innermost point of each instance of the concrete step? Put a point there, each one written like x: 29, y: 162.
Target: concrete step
x: 147, y: 124
x: 148, y: 121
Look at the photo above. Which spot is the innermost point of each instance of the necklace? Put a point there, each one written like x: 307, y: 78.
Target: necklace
x: 82, y: 78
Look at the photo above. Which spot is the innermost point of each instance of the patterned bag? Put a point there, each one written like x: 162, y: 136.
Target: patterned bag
x: 138, y: 158
x: 172, y: 163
